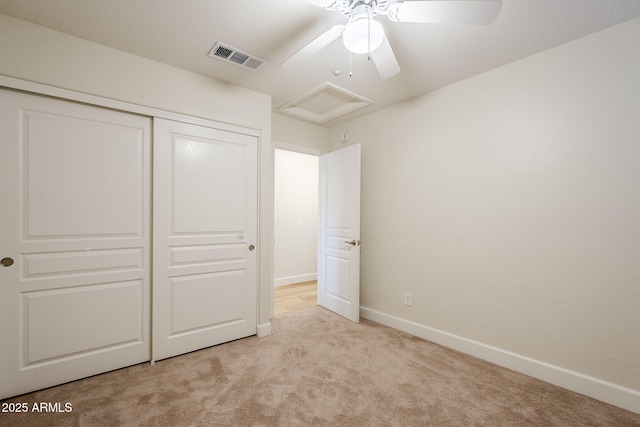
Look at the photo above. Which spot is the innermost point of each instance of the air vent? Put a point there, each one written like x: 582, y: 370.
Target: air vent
x: 230, y: 54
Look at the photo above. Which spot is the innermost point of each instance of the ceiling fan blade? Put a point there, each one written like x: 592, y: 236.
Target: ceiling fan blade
x: 327, y: 4
x: 480, y: 12
x: 385, y: 60
x: 314, y: 47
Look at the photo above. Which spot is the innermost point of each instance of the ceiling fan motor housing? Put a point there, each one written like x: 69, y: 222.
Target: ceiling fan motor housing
x: 348, y: 7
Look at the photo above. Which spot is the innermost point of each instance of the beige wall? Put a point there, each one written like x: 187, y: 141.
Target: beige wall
x: 509, y: 205
x: 299, y: 132
x: 34, y: 53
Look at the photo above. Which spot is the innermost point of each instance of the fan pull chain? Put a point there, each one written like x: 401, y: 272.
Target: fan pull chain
x: 369, y: 36
x: 350, y: 64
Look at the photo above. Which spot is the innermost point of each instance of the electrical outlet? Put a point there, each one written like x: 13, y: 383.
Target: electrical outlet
x: 407, y: 299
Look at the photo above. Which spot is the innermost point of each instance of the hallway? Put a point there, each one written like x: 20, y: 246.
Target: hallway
x: 296, y: 297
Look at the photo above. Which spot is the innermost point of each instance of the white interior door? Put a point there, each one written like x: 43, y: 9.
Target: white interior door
x: 339, y: 236
x: 205, y: 231
x: 74, y: 241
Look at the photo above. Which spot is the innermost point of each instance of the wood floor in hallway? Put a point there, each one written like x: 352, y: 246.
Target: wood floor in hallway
x: 296, y: 297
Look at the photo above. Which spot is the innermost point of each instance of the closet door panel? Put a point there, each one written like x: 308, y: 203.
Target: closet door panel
x: 205, y: 230
x: 75, y: 221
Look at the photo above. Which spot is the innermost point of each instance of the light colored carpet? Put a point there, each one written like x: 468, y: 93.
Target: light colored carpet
x: 318, y: 369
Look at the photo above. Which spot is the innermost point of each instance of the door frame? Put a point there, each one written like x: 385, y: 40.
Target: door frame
x: 296, y: 149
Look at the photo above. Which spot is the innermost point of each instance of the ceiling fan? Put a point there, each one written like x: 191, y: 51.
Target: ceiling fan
x: 363, y: 34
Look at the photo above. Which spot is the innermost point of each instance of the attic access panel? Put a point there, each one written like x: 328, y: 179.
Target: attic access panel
x: 324, y: 103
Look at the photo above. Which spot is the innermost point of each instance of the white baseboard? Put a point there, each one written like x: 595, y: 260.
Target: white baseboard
x: 284, y: 281
x: 264, y: 330
x: 604, y: 391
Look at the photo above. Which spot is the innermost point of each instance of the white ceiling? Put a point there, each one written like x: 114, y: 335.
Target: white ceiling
x: 181, y: 33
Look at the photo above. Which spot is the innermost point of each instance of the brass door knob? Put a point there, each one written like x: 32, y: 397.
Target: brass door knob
x: 6, y: 262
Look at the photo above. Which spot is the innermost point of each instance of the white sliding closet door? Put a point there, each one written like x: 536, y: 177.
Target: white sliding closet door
x: 74, y: 241
x: 205, y: 231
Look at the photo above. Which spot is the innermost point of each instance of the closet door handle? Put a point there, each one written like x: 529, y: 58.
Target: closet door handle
x: 6, y: 262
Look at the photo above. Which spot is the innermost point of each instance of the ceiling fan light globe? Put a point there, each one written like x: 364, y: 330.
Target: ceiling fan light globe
x: 363, y: 35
